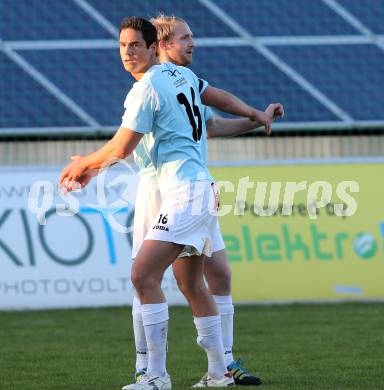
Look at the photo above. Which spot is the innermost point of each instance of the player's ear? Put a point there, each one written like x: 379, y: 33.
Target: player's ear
x: 153, y: 47
x: 162, y: 44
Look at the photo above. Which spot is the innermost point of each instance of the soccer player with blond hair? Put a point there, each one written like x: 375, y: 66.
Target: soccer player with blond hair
x: 176, y: 45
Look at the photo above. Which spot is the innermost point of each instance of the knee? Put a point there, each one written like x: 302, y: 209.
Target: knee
x: 137, y: 280
x: 142, y: 282
x: 219, y: 282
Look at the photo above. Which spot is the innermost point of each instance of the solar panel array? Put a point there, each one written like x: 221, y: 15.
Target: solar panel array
x: 323, y: 59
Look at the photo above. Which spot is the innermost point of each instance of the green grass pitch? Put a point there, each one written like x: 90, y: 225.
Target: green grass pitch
x: 338, y: 346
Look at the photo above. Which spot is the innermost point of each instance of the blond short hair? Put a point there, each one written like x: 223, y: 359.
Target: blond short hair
x: 164, y: 24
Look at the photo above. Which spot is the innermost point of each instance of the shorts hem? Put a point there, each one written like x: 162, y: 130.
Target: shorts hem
x: 195, y: 251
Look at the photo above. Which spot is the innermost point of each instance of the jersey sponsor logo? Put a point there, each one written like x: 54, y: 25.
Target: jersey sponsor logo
x: 170, y: 73
x: 180, y: 82
x: 159, y: 227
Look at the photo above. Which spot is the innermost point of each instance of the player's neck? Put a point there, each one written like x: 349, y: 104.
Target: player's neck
x: 164, y: 58
x: 138, y: 75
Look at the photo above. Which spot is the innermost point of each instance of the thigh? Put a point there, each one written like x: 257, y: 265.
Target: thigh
x: 189, y: 269
x: 218, y: 273
x: 217, y: 264
x: 154, y: 257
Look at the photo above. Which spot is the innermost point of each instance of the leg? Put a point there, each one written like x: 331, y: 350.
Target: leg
x: 218, y: 275
x: 152, y: 260
x: 148, y: 202
x: 188, y: 272
x: 148, y: 269
x: 140, y: 341
x: 189, y: 275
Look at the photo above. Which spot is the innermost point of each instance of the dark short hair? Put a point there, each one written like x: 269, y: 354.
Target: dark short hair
x: 146, y: 28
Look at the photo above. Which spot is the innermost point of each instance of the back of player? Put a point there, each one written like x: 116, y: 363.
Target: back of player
x: 166, y: 107
x: 172, y: 94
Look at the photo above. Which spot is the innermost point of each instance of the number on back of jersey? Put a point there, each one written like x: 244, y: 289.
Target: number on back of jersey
x: 193, y: 113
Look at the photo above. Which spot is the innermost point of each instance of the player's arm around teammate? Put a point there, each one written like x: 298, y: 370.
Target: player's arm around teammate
x: 224, y: 127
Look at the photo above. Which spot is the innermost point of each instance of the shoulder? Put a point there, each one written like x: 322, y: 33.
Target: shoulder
x: 142, y: 87
x: 145, y: 84
x: 200, y: 84
x: 187, y: 72
x: 142, y: 92
x: 168, y: 70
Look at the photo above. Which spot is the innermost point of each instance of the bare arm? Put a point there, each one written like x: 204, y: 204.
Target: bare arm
x: 120, y: 146
x: 226, y: 102
x: 223, y: 127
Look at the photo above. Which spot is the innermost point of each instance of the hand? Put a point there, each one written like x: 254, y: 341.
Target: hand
x: 275, y: 110
x: 262, y: 117
x: 86, y: 177
x: 75, y: 175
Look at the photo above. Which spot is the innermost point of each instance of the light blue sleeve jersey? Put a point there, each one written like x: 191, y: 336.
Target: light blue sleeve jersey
x: 142, y: 156
x: 165, y: 106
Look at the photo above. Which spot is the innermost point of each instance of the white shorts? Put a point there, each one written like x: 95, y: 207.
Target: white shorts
x: 185, y: 216
x: 147, y: 206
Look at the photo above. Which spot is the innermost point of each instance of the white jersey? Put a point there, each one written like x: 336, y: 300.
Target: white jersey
x: 165, y: 105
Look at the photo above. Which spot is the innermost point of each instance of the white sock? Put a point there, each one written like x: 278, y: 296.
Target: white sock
x: 155, y: 320
x: 138, y: 330
x: 226, y: 310
x: 210, y: 339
